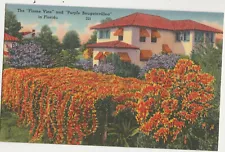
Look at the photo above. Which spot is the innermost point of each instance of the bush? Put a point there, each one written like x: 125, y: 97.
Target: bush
x: 210, y: 59
x: 106, y: 68
x: 28, y: 55
x: 62, y: 101
x: 66, y: 58
x: 84, y: 64
x: 173, y: 102
x: 165, y: 61
x: 122, y: 69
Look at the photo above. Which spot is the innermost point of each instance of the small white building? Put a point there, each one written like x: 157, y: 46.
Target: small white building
x: 28, y: 34
x: 138, y: 36
x: 9, y: 42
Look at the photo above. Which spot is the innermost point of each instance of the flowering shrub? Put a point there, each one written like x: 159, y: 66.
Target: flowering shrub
x: 28, y: 55
x: 84, y: 64
x: 165, y: 61
x: 172, y: 100
x: 61, y: 101
x: 106, y: 68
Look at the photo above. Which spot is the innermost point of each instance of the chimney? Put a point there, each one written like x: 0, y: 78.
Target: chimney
x: 33, y: 33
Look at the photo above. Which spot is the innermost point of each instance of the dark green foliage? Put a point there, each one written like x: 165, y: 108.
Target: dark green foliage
x: 123, y: 131
x: 49, y: 42
x: 123, y: 69
x: 12, y: 26
x: 106, y: 20
x: 105, y: 109
x: 9, y: 131
x: 196, y: 138
x: 71, y: 40
x: 66, y: 58
x: 210, y: 60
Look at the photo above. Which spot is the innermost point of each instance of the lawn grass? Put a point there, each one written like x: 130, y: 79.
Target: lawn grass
x: 9, y: 131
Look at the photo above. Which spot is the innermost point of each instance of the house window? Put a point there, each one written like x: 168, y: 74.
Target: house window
x: 120, y: 38
x: 187, y: 36
x: 154, y: 39
x: 209, y: 37
x: 104, y: 34
x: 183, y: 36
x: 199, y: 36
x: 142, y: 39
x: 14, y: 44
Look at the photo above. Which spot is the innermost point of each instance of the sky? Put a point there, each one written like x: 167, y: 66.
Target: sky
x: 80, y: 18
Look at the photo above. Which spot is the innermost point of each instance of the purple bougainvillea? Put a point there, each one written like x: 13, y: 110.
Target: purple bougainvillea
x: 106, y: 68
x: 28, y: 55
x: 166, y: 61
x: 84, y: 64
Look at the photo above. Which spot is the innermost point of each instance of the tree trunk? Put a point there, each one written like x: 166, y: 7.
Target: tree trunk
x: 105, y: 129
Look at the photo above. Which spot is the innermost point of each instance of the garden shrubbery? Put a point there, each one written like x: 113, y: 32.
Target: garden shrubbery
x: 28, y: 55
x: 175, y: 106
x: 164, y: 61
x: 106, y: 68
x: 121, y: 68
x: 111, y: 65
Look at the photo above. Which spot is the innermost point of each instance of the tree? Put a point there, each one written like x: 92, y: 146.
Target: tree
x: 107, y: 19
x: 12, y: 26
x: 66, y: 58
x: 28, y: 55
x: 71, y: 40
x: 49, y: 42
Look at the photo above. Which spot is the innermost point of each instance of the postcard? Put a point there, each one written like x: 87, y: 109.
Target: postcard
x: 111, y: 77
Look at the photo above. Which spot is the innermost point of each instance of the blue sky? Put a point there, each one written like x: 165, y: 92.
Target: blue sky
x: 79, y: 23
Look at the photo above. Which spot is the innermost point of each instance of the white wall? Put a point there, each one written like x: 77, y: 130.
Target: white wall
x: 132, y: 36
x: 112, y: 37
x: 127, y: 35
x: 184, y: 48
x: 167, y: 37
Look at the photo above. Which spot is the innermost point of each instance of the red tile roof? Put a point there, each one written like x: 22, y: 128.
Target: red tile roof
x: 25, y: 33
x: 8, y: 37
x: 153, y: 21
x: 193, y: 25
x: 112, y: 44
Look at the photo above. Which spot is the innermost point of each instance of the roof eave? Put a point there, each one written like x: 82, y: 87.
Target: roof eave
x: 111, y: 47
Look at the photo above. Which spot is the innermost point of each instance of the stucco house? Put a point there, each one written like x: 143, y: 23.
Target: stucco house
x: 9, y: 42
x: 138, y: 36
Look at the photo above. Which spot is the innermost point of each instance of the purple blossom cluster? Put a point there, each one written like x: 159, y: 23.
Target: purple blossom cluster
x: 84, y: 64
x: 28, y: 55
x: 165, y: 61
x: 106, y: 68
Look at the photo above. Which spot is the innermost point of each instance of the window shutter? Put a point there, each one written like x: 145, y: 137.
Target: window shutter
x: 187, y: 36
x: 98, y: 34
x: 177, y: 36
